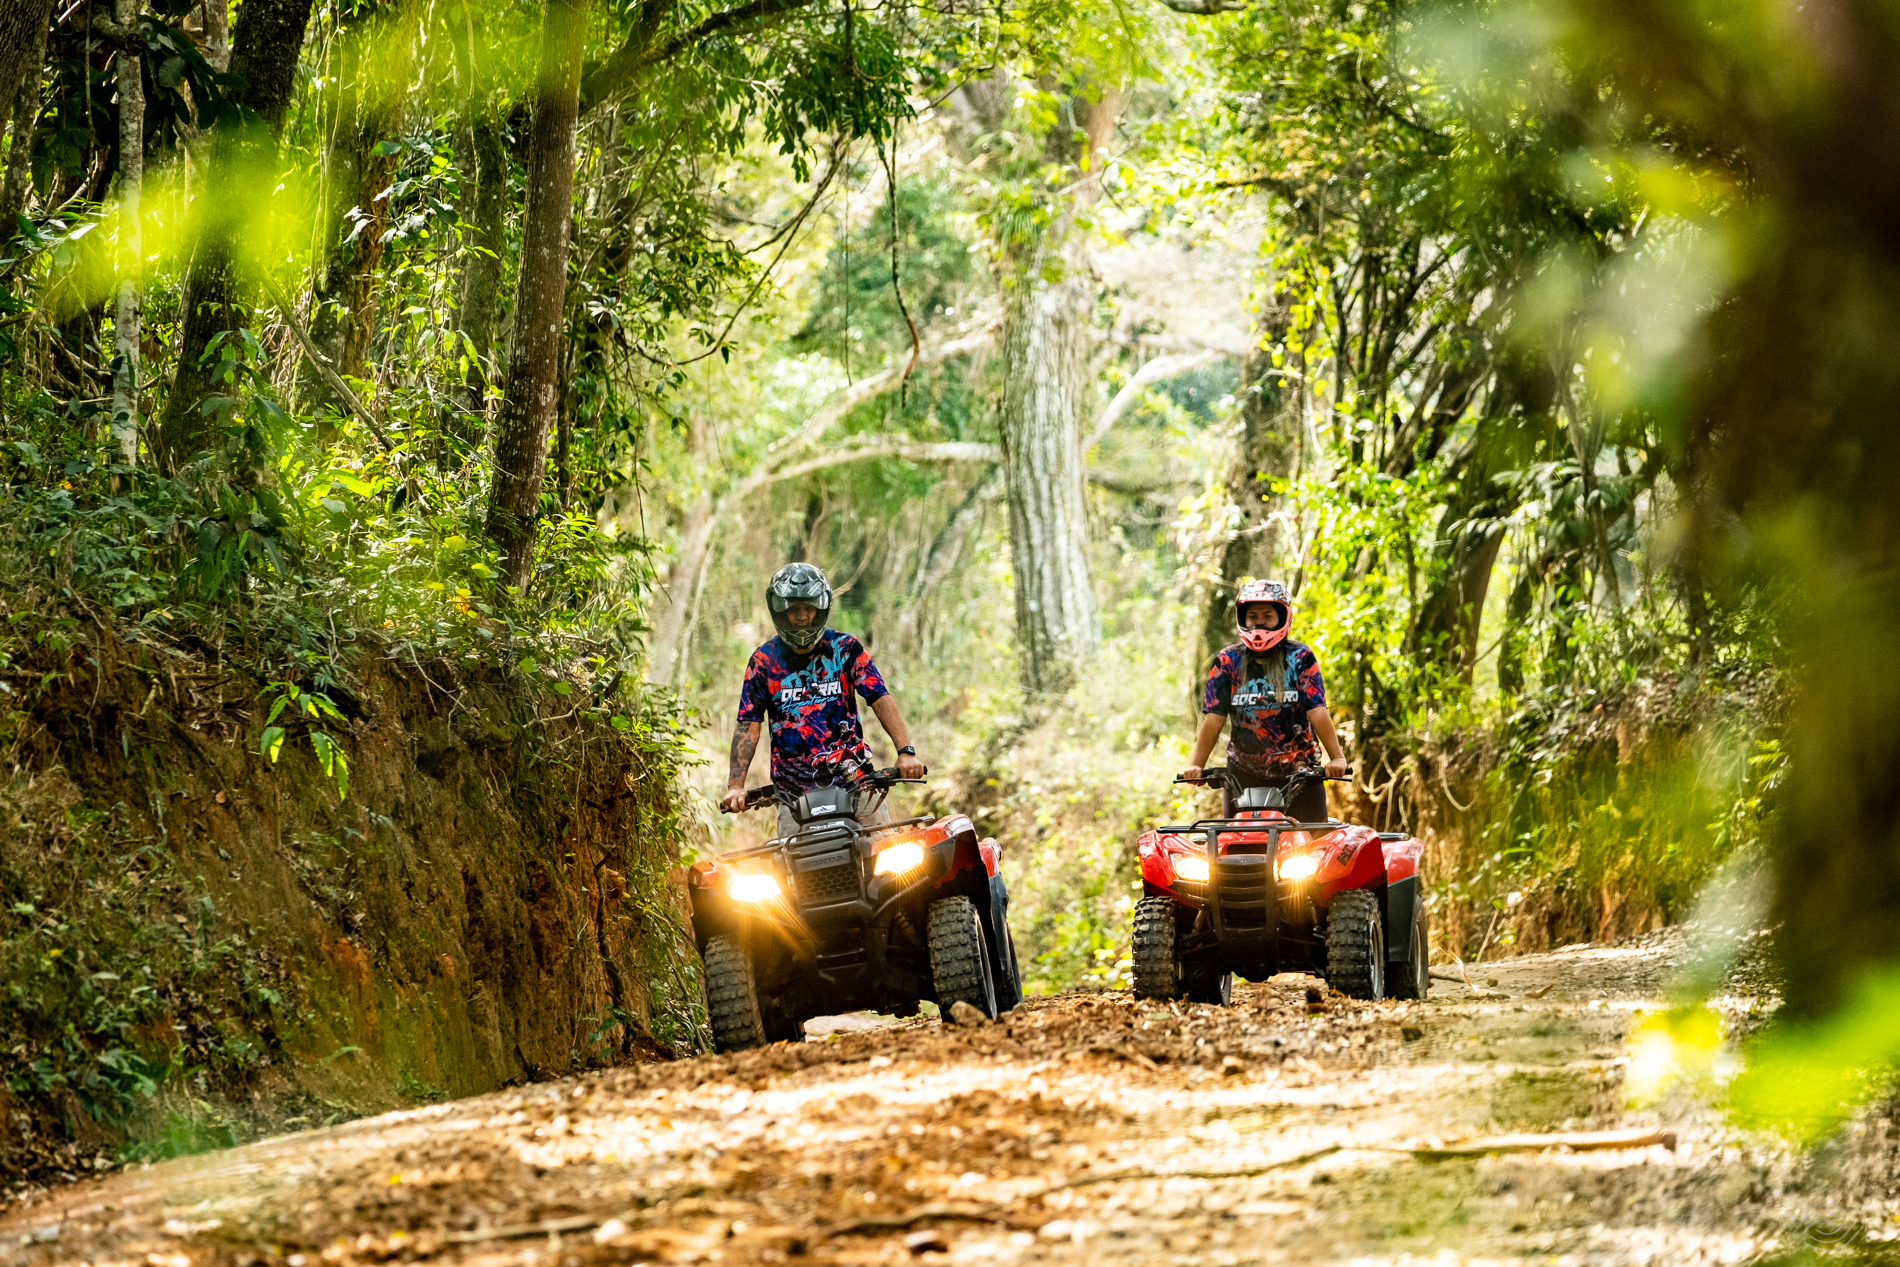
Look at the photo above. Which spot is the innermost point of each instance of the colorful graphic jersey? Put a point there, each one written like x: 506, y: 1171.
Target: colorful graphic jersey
x: 1268, y: 733
x: 807, y: 699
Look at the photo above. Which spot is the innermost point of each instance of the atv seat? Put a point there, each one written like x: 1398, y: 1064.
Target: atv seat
x: 1262, y: 798
x: 821, y: 803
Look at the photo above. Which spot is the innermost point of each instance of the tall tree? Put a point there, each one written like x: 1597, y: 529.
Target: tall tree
x: 531, y: 389
x: 22, y: 42
x: 264, y: 53
x: 21, y: 107
x: 1049, y: 305
x: 125, y: 320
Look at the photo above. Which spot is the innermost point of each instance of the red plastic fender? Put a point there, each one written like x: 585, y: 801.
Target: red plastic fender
x: 705, y: 874
x: 1349, y: 859
x: 968, y: 852
x: 992, y: 854
x: 1401, y: 858
x: 1156, y: 852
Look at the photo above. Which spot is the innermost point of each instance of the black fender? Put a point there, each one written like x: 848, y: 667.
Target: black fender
x: 1008, y: 975
x: 1401, y: 908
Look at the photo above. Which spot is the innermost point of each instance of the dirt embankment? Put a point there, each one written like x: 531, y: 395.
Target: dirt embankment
x: 198, y: 944
x: 1296, y: 1126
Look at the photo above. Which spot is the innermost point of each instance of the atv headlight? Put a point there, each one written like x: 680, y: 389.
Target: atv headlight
x: 1191, y: 867
x: 899, y: 858
x: 1299, y: 866
x: 753, y: 888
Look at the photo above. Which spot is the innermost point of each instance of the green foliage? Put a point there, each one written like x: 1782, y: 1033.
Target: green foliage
x: 314, y: 708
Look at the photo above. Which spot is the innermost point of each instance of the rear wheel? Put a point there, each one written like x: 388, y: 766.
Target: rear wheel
x: 959, y: 961
x: 732, y: 996
x: 1157, y: 965
x: 1355, y: 945
x: 1417, y: 977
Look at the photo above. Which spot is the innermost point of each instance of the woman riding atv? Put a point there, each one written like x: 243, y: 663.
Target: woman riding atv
x: 1271, y: 689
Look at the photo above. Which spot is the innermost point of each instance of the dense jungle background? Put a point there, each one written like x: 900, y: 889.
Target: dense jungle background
x: 1546, y: 351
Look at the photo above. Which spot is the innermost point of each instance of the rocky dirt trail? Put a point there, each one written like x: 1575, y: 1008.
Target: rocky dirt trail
x: 1293, y: 1127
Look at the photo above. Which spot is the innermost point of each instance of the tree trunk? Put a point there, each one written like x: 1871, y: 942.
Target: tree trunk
x: 125, y: 321
x: 484, y: 210
x: 22, y: 42
x: 1269, y: 444
x: 1045, y: 384
x: 267, y: 44
x: 375, y: 63
x: 1469, y: 536
x: 214, y: 31
x: 23, y: 109
x: 531, y: 387
x: 481, y: 268
x: 1046, y: 317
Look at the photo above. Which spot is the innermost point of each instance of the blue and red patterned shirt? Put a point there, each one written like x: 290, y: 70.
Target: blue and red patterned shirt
x: 1268, y: 731
x: 808, y: 701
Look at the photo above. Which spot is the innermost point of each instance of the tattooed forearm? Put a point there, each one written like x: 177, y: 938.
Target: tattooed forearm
x: 745, y: 742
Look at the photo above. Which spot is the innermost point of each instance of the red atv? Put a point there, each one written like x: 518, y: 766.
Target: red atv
x: 1259, y: 893
x: 840, y: 916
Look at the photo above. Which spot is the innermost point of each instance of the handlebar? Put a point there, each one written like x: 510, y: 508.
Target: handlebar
x: 870, y: 781
x: 1217, y: 775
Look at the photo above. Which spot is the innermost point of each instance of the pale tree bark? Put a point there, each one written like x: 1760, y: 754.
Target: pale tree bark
x: 215, y: 16
x: 531, y: 388
x: 1045, y: 387
x: 1050, y: 302
x: 126, y: 317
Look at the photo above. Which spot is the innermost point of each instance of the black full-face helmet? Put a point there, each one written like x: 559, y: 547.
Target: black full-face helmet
x: 799, y: 583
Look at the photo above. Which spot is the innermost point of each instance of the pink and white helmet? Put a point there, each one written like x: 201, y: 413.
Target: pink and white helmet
x: 1262, y: 592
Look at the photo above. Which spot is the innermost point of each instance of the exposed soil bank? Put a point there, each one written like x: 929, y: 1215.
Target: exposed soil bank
x: 197, y: 943
x: 1082, y: 1129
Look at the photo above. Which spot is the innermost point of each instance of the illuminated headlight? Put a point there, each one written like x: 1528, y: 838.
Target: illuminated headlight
x: 1190, y: 867
x: 1299, y: 867
x: 898, y: 859
x: 753, y: 888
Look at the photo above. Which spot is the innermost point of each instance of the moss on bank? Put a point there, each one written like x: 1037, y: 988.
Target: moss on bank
x: 197, y: 944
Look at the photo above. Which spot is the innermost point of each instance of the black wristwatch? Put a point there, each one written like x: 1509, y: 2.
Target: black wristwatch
x: 907, y: 751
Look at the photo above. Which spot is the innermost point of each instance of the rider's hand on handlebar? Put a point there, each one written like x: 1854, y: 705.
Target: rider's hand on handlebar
x: 1191, y: 775
x: 1338, y: 768
x: 733, y: 801
x: 909, y: 767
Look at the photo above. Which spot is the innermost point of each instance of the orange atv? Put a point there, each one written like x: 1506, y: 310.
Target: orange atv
x: 1260, y: 893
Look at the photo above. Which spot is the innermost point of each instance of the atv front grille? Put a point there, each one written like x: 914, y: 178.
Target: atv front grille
x: 828, y: 885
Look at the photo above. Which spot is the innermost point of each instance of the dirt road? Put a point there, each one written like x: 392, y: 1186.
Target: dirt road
x: 1084, y: 1129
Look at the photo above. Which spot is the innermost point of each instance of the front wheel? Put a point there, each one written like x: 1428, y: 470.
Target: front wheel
x: 959, y: 960
x: 732, y: 996
x: 1355, y: 945
x: 1157, y: 961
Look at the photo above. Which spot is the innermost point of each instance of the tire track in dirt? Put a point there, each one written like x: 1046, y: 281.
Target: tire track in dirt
x: 1079, y: 1129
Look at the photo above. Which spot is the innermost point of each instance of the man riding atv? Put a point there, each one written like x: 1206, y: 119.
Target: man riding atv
x: 843, y: 909
x: 802, y: 681
x: 1272, y: 691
